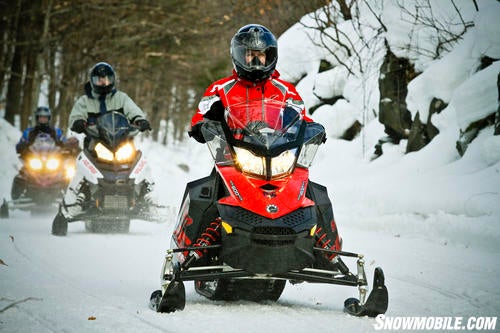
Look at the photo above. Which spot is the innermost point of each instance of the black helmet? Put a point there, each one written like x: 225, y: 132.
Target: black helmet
x: 102, y: 70
x: 254, y: 37
x: 42, y: 111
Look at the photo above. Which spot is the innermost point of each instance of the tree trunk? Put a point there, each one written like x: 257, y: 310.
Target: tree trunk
x: 30, y: 88
x: 52, y: 84
x: 13, y: 99
x: 7, y: 40
x: 497, y: 119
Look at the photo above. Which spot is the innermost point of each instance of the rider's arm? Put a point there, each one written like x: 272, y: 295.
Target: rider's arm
x: 60, y: 138
x: 79, y: 110
x: 130, y: 109
x: 133, y: 112
x: 294, y: 98
x: 210, y: 107
x: 23, y: 141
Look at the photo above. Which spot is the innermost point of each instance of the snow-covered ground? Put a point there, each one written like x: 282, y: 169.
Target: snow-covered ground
x: 430, y: 219
x: 437, y: 262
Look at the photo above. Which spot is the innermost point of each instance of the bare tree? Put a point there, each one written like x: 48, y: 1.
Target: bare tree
x: 356, y: 52
x: 448, y: 30
x: 353, y: 42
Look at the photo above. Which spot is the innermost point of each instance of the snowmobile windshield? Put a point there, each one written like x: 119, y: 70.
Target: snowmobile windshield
x: 264, y: 125
x: 113, y: 128
x: 43, y: 143
x: 263, y: 138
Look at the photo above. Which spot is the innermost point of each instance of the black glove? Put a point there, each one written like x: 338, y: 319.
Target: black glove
x: 216, y: 112
x: 143, y: 125
x: 79, y: 126
x: 195, y: 132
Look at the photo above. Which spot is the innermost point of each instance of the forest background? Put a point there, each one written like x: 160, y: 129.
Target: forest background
x: 165, y: 52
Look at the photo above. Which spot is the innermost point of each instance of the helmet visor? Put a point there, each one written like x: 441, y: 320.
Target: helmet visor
x: 103, y: 81
x: 252, y: 58
x: 42, y: 111
x: 42, y: 115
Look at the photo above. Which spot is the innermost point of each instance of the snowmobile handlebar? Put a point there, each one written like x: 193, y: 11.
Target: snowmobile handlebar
x: 93, y: 130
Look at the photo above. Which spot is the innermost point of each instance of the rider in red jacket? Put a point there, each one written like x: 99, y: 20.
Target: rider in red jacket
x: 254, y: 52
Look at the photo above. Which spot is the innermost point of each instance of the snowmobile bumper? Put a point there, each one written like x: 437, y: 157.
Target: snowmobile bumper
x: 242, y: 248
x: 261, y: 245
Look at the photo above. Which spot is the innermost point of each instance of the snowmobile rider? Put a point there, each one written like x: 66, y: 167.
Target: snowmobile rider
x: 254, y: 53
x: 42, y: 125
x: 100, y: 97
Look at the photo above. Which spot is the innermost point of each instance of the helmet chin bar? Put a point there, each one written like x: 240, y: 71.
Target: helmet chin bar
x: 254, y: 76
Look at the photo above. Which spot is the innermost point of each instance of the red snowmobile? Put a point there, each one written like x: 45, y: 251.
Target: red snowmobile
x: 257, y: 220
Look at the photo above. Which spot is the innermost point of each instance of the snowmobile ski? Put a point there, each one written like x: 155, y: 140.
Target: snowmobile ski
x: 377, y: 301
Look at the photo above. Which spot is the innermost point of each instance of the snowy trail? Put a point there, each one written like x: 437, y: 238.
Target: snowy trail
x: 430, y: 218
x: 90, y: 282
x: 436, y: 264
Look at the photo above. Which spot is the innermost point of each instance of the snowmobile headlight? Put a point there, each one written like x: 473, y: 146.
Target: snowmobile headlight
x: 52, y: 164
x: 103, y: 153
x: 35, y: 163
x: 250, y: 163
x: 125, y: 152
x: 283, y: 163
x: 280, y: 165
x: 69, y: 172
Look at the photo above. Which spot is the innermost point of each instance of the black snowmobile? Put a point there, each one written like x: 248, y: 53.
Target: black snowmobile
x: 110, y: 180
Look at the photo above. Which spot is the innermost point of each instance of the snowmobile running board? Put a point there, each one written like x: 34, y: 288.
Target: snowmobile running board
x: 173, y: 297
x: 4, y: 210
x: 86, y: 215
x: 20, y: 203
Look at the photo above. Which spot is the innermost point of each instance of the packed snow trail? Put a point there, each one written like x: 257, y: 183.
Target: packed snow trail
x: 101, y: 282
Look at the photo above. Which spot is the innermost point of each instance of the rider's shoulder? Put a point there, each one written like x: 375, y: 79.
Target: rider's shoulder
x: 28, y: 130
x: 120, y: 95
x: 83, y: 99
x: 220, y: 83
x: 276, y: 78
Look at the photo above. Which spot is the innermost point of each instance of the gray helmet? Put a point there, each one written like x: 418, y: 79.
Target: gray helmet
x: 102, y: 70
x: 254, y: 37
x: 43, y: 111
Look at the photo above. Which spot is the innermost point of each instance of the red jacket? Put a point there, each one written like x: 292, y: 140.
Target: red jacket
x: 233, y: 89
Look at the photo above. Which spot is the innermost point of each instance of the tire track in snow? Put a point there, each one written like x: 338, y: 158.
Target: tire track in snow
x: 47, y: 268
x: 446, y: 293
